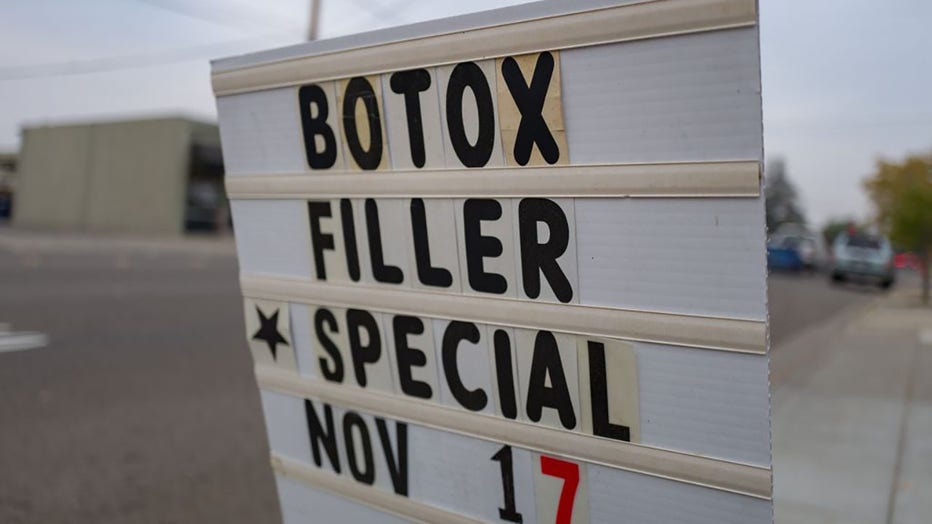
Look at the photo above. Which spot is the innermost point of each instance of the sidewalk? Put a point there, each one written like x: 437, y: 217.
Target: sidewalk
x: 852, y: 419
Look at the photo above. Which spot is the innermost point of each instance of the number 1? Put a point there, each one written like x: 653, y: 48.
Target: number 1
x: 509, y: 513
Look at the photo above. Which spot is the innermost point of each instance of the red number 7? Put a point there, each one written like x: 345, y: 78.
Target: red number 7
x: 569, y: 472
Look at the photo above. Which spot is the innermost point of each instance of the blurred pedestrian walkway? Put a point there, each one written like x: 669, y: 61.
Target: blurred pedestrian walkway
x: 852, y: 417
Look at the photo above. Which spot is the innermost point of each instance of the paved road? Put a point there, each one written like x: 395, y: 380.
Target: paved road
x: 797, y: 302
x: 143, y: 407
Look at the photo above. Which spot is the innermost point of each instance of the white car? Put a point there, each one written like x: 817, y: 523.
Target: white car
x: 861, y: 256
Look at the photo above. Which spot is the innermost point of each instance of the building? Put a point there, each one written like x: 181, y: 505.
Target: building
x: 152, y: 176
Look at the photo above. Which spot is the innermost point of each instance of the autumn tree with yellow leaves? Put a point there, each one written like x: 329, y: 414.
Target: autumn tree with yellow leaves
x: 902, y: 195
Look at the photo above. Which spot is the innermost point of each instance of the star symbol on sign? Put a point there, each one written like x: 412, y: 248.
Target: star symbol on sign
x: 268, y: 331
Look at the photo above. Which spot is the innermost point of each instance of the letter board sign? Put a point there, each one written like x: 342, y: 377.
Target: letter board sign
x: 509, y: 267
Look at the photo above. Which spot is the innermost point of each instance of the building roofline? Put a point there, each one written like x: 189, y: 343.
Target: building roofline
x: 105, y: 120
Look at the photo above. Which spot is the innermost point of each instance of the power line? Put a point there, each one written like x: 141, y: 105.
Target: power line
x: 383, y: 13
x: 173, y: 56
x: 116, y: 63
x: 210, y: 16
x: 380, y: 11
x: 852, y: 124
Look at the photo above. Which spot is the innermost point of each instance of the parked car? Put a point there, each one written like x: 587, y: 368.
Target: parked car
x: 783, y: 257
x: 6, y: 203
x: 861, y: 256
x: 906, y: 260
x: 795, y: 251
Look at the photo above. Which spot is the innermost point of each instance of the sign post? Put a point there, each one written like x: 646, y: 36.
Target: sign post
x: 509, y: 267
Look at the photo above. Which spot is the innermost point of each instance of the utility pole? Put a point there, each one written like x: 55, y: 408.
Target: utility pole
x: 314, y: 23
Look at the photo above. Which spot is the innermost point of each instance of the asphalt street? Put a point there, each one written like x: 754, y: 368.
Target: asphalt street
x: 797, y: 301
x: 143, y: 407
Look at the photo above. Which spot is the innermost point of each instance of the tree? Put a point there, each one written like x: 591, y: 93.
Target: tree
x: 902, y: 194
x: 781, y: 199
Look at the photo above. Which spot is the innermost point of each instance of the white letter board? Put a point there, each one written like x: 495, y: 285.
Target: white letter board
x: 509, y: 267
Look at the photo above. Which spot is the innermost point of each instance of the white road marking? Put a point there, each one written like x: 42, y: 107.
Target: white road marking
x: 22, y: 341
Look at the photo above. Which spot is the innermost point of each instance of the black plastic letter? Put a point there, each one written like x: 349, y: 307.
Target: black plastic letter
x: 319, y: 240
x: 410, y: 84
x: 505, y: 375
x: 546, y: 363
x: 509, y: 513
x: 382, y: 272
x: 358, y: 88
x: 366, y: 474
x: 316, y: 125
x: 473, y: 400
x: 408, y: 357
x: 349, y: 238
x: 475, y: 211
x: 598, y: 387
x: 397, y: 462
x: 468, y: 74
x: 332, y: 370
x: 532, y: 129
x: 427, y: 274
x: 537, y: 258
x: 319, y: 435
x: 357, y: 319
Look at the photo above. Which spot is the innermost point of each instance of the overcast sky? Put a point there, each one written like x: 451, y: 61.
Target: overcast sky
x: 844, y: 81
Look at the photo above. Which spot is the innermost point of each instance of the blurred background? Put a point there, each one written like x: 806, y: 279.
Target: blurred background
x: 126, y: 391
